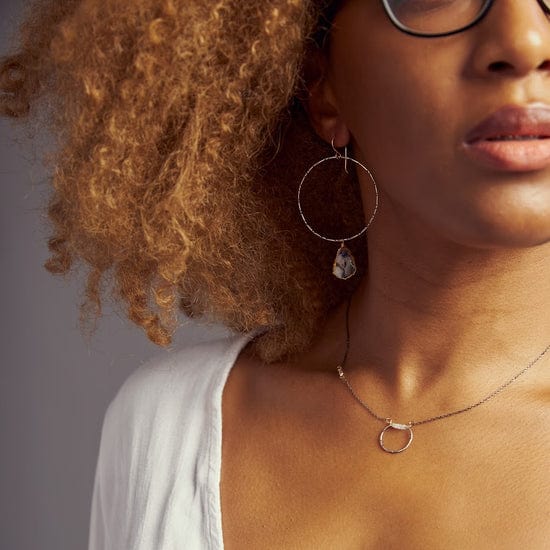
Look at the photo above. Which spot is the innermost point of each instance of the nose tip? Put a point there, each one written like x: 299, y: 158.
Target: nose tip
x: 515, y: 38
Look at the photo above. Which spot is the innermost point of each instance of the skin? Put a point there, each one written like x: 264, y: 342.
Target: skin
x: 455, y: 303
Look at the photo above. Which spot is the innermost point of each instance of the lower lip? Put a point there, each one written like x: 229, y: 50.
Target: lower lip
x: 511, y: 156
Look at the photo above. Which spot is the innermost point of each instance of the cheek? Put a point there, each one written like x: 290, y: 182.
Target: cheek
x: 401, y: 110
x: 408, y: 118
x: 404, y: 118
x: 394, y: 91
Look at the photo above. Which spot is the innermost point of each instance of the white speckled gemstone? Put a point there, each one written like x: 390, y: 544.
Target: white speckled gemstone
x: 344, y: 263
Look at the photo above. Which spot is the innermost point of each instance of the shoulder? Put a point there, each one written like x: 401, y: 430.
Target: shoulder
x: 168, y: 405
x: 154, y: 469
x: 170, y: 384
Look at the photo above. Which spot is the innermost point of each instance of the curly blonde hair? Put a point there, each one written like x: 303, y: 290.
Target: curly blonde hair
x: 181, y: 141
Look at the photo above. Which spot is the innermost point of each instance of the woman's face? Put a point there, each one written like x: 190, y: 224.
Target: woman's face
x: 410, y: 105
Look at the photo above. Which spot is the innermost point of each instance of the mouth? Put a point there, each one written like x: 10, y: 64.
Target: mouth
x: 514, y: 138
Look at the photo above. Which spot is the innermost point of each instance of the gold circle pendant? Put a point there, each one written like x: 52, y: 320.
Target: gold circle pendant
x: 396, y: 426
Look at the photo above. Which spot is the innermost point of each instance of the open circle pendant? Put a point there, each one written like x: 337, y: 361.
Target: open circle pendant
x: 396, y: 426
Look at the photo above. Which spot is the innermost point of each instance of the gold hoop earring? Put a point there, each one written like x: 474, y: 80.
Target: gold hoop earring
x: 344, y: 265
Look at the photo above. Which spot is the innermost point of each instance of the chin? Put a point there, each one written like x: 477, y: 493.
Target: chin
x: 512, y: 232
x: 523, y: 240
x: 504, y: 217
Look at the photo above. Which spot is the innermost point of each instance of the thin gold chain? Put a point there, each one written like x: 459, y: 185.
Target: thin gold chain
x: 340, y: 370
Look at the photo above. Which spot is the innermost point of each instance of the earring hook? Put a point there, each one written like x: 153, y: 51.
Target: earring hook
x: 336, y: 152
x: 339, y: 155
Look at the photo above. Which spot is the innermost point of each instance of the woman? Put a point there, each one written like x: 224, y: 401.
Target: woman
x: 405, y: 406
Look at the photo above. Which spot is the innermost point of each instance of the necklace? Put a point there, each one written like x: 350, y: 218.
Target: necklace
x: 408, y: 427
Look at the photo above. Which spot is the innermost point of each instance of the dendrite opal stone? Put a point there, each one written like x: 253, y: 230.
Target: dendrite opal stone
x: 344, y: 263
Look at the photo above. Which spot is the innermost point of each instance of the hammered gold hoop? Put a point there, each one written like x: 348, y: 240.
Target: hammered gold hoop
x: 345, y: 158
x: 400, y: 427
x: 344, y: 265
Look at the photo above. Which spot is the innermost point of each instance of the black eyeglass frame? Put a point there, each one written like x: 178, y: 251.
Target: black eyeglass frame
x: 544, y: 4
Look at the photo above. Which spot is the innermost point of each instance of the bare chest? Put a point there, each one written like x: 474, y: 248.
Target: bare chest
x: 315, y: 483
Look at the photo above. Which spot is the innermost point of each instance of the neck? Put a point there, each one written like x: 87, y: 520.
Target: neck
x: 434, y: 314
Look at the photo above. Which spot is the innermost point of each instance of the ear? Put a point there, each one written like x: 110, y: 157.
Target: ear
x: 321, y: 104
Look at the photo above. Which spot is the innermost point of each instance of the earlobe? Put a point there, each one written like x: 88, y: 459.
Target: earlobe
x: 321, y: 107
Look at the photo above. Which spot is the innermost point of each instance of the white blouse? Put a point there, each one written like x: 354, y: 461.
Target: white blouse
x: 157, y: 482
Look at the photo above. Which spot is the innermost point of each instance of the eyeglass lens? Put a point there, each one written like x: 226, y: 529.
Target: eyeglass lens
x: 433, y: 17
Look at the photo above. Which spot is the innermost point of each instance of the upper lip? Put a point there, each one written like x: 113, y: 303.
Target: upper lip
x: 512, y: 120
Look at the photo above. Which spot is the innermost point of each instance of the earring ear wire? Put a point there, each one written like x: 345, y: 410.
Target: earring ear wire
x: 339, y: 155
x: 346, y: 159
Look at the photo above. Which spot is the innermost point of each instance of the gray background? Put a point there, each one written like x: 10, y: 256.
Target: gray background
x: 54, y: 387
